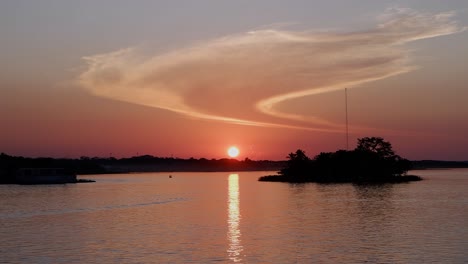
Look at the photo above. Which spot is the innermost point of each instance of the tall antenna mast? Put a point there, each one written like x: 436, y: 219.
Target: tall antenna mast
x: 346, y: 106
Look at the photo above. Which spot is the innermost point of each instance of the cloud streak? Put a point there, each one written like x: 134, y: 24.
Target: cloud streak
x: 242, y: 78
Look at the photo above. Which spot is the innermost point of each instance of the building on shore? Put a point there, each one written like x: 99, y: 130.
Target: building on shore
x: 44, y: 176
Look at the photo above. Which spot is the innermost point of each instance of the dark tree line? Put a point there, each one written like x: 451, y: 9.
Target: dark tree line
x: 373, y: 160
x: 9, y: 165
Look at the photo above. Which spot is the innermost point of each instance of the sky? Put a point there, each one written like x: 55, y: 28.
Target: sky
x: 192, y: 78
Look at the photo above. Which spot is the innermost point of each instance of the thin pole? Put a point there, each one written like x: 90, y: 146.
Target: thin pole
x: 346, y: 106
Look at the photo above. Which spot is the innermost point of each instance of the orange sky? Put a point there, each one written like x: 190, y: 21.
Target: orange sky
x: 266, y: 89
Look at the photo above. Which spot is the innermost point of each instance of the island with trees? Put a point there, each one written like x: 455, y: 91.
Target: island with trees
x: 372, y: 161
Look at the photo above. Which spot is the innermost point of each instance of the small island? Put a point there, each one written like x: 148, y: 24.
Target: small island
x: 372, y: 161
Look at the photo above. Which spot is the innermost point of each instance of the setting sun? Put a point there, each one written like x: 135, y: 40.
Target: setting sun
x: 233, y: 152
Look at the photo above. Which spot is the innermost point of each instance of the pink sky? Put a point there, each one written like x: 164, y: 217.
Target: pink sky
x: 266, y: 89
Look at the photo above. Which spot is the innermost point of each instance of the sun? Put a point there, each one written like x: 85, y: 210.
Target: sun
x: 233, y: 152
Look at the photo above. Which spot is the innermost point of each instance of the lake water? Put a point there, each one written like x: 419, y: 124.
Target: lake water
x: 231, y: 217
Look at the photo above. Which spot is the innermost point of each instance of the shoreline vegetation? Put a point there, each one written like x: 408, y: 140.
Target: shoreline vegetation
x: 373, y: 161
x: 11, y: 165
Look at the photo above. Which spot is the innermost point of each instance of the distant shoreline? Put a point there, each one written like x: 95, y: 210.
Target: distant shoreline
x: 11, y: 165
x: 229, y: 170
x: 146, y: 163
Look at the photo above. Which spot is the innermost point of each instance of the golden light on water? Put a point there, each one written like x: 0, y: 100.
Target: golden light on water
x: 235, y: 247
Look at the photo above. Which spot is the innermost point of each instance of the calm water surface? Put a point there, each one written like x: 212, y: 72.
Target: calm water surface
x: 231, y: 217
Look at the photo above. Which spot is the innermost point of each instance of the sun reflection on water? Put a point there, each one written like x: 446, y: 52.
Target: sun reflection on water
x: 235, y: 247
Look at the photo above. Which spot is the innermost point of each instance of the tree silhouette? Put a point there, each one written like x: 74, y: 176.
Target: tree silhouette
x: 298, y: 164
x: 376, y: 145
x: 299, y: 156
x: 373, y: 161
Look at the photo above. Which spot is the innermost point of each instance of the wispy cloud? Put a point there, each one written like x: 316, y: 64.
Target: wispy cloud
x: 242, y: 78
